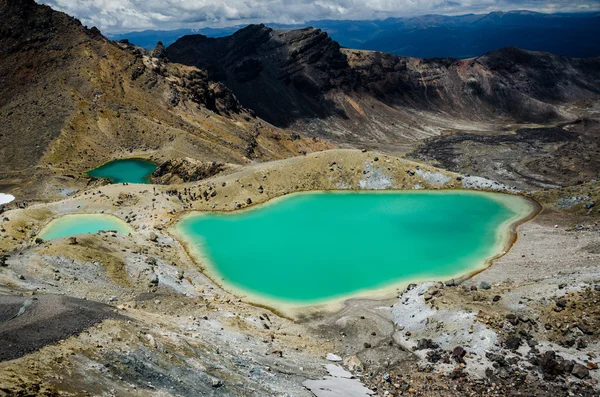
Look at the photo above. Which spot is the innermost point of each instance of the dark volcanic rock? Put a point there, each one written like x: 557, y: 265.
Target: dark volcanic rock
x: 459, y: 353
x: 426, y: 344
x: 159, y: 51
x: 285, y: 76
x: 512, y: 342
x: 551, y: 365
x: 530, y: 157
x: 186, y: 170
x: 30, y: 323
x: 580, y: 371
x: 282, y: 76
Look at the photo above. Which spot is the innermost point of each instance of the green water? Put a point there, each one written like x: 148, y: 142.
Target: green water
x: 71, y: 225
x: 120, y: 171
x: 317, y: 246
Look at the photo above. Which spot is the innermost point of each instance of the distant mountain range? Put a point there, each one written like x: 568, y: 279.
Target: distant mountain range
x: 432, y: 36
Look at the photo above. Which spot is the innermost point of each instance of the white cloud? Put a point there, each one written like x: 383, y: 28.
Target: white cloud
x: 127, y: 15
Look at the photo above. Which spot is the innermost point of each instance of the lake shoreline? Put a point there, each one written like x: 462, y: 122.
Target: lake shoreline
x: 123, y: 227
x: 507, y: 236
x: 111, y: 168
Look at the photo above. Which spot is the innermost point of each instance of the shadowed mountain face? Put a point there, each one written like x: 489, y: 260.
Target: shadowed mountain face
x: 283, y: 76
x: 70, y: 100
x: 304, y: 78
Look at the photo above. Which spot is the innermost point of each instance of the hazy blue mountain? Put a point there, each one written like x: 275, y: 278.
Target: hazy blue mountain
x: 463, y: 36
x: 149, y: 38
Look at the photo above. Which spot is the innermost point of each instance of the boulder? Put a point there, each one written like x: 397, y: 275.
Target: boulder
x: 512, y: 342
x: 433, y: 356
x: 426, y: 344
x: 333, y: 357
x: 512, y: 318
x: 458, y: 354
x: 580, y: 371
x: 485, y: 285
x: 550, y: 366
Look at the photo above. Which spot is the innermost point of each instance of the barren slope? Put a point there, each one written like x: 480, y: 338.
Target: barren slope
x: 70, y: 100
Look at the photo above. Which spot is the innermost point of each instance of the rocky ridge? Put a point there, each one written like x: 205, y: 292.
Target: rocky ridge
x: 302, y: 78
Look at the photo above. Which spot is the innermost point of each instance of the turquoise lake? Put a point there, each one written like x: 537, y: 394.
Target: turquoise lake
x: 125, y: 171
x: 71, y: 225
x: 311, y: 247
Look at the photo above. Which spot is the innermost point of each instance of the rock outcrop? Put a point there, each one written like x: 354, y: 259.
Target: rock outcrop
x: 186, y: 170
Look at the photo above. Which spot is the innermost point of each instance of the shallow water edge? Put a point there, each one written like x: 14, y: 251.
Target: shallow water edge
x: 525, y: 209
x: 115, y: 222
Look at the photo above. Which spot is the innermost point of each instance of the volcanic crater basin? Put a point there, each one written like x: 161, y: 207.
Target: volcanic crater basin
x: 317, y: 249
x: 74, y: 224
x: 125, y: 171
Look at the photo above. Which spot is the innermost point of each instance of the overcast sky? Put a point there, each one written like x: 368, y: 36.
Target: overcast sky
x: 112, y: 16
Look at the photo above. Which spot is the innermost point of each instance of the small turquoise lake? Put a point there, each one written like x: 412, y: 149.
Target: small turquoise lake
x: 313, y: 247
x: 125, y: 171
x: 71, y: 225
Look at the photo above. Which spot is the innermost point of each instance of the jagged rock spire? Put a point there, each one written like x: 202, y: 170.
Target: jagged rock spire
x: 159, y: 51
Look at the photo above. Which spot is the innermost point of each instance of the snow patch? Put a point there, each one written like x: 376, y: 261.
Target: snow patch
x: 340, y: 383
x: 6, y: 198
x: 434, y: 178
x: 478, y: 182
x: 375, y: 178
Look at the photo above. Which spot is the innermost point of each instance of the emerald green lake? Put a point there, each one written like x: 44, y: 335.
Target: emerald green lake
x: 125, y: 171
x: 71, y: 225
x: 312, y: 247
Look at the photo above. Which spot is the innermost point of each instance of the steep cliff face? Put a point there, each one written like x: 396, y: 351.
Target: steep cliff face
x: 282, y: 76
x: 71, y: 99
x: 304, y: 79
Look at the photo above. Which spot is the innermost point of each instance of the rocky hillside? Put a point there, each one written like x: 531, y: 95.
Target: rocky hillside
x: 70, y: 99
x: 302, y: 78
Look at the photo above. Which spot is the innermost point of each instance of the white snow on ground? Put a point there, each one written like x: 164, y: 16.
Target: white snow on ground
x: 339, y: 383
x: 375, y: 178
x: 6, y: 198
x: 478, y: 182
x: 435, y: 178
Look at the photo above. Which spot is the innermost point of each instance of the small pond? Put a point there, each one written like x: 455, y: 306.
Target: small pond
x: 125, y: 171
x: 71, y: 225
